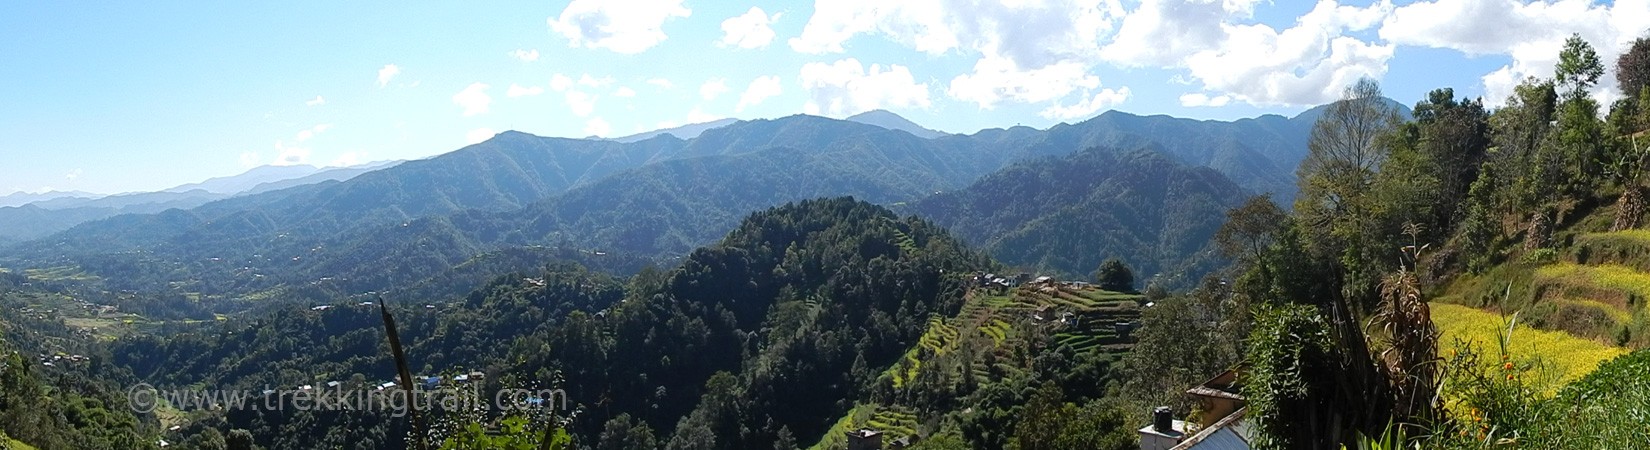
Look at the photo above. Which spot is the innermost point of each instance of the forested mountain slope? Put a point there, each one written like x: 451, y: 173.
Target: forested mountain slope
x: 1068, y: 214
x: 657, y: 197
x: 772, y: 331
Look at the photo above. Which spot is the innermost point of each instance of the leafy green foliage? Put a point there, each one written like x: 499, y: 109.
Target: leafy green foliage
x: 1578, y: 66
x: 1289, y: 400
x: 1113, y: 275
x: 1050, y: 424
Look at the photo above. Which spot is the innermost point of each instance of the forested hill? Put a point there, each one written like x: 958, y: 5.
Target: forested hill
x: 1067, y: 214
x: 774, y: 331
x: 656, y: 197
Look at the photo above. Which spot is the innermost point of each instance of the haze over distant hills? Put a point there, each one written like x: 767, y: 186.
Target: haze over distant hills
x: 689, y: 131
x: 662, y: 196
x: 43, y: 214
x: 24, y: 198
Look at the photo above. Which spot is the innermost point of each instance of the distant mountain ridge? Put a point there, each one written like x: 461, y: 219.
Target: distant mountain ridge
x: 51, y: 215
x: 24, y: 198
x: 688, y: 131
x: 884, y: 118
x: 235, y: 184
x: 659, y: 196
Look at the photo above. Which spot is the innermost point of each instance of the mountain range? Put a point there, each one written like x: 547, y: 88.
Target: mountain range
x: 38, y: 215
x: 663, y: 195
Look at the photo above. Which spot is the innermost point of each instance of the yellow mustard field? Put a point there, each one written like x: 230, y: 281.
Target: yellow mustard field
x: 1614, y: 277
x: 1562, y: 356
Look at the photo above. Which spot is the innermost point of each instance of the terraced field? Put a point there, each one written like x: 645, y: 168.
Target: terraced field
x: 1559, y: 357
x: 893, y: 421
x: 1597, y: 290
x: 997, y: 320
x: 1077, y: 315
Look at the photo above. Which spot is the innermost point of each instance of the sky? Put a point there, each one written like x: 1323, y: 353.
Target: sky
x: 112, y: 97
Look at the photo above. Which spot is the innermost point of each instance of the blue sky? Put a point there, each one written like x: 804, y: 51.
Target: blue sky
x: 112, y: 97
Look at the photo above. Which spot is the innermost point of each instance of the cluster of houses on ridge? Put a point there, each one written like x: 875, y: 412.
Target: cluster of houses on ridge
x: 992, y: 280
x: 421, y: 382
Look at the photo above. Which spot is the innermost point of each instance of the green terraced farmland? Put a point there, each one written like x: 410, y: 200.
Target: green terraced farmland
x: 1082, y: 317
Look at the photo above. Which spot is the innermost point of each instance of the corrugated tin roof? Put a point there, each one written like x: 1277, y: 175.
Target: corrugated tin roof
x: 1220, y: 439
x: 1228, y: 433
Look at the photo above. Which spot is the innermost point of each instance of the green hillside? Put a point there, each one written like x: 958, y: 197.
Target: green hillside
x: 1139, y: 205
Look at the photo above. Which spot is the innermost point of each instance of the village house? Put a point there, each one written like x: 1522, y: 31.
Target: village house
x: 1219, y: 424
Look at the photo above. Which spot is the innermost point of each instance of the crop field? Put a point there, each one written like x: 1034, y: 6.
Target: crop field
x: 1621, y: 279
x: 1561, y: 357
x: 893, y: 420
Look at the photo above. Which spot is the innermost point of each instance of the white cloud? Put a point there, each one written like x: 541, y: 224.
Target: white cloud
x: 318, y: 101
x: 305, y: 135
x: 1197, y: 99
x: 846, y: 87
x: 753, y: 29
x: 590, y: 81
x: 525, y: 55
x: 1227, y: 55
x: 473, y: 99
x: 387, y: 73
x: 581, y: 103
x: 1087, y: 105
x: 1028, y: 51
x: 627, y: 27
x: 1046, y: 51
x: 348, y: 159
x: 517, y: 90
x: 1531, y: 33
x: 560, y: 82
x: 624, y: 92
x: 597, y: 127
x: 762, y: 88
x: 1162, y: 33
x: 1309, y: 64
x: 997, y: 79
x: 478, y: 135
x: 290, y: 156
x: 713, y: 88
x: 1032, y: 33
x: 661, y: 83
x: 923, y: 25
x: 73, y: 174
x: 698, y: 116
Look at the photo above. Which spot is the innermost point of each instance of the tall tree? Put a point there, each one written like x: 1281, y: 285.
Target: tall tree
x: 1519, y: 130
x: 1250, y: 229
x: 1113, y: 275
x: 1633, y: 68
x: 1343, y: 155
x: 1580, y: 134
x: 239, y: 439
x: 1578, y: 66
